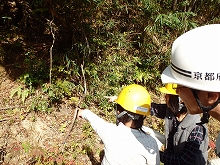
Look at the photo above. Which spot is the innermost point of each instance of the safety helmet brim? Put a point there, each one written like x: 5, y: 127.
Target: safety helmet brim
x: 164, y: 90
x: 167, y: 77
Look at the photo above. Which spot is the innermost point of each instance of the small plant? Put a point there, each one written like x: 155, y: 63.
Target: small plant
x: 21, y: 92
x: 87, y: 130
x: 176, y: 20
x: 41, y: 103
x: 61, y: 89
x: 26, y: 146
x: 62, y: 128
x: 33, y: 118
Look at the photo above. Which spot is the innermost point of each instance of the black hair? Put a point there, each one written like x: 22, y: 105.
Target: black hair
x: 127, y: 117
x: 175, y: 105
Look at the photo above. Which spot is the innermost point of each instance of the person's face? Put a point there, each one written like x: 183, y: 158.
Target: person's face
x: 167, y: 98
x: 206, y: 98
x: 189, y: 100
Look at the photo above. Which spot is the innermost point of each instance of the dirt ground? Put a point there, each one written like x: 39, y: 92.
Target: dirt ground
x: 26, y: 137
x: 29, y: 138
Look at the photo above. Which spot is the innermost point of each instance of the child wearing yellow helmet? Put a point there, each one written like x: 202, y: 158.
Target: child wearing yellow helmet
x: 126, y: 142
x: 133, y: 102
x: 186, y: 141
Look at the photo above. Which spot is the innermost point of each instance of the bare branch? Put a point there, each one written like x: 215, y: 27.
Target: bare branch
x: 84, y: 80
x: 51, y: 48
x: 76, y: 110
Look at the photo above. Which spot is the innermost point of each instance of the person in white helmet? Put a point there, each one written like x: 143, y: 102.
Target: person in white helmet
x: 186, y: 141
x: 195, y: 59
x: 195, y: 68
x: 126, y: 143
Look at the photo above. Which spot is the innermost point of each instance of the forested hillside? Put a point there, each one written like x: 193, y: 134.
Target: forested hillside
x: 57, y: 56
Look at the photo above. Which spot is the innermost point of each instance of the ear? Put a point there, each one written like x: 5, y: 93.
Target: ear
x: 213, y: 97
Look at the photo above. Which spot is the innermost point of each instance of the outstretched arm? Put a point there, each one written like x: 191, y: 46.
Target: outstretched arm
x: 100, y: 126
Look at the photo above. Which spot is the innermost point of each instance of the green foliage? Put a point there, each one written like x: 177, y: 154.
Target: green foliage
x: 150, y: 7
x: 22, y: 93
x: 176, y: 20
x: 68, y: 70
x: 76, y: 148
x: 87, y: 130
x: 36, y: 71
x: 117, y: 43
x: 56, y: 92
x: 108, y: 83
x: 41, y: 103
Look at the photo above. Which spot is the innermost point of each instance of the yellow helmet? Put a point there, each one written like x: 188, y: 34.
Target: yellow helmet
x: 135, y: 98
x: 169, y: 89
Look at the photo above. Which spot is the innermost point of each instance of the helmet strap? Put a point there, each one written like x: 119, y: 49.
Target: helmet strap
x: 205, y: 109
x: 132, y: 116
x: 118, y: 116
x: 121, y: 114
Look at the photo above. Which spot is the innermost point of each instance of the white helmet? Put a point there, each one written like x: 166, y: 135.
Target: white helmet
x: 195, y: 59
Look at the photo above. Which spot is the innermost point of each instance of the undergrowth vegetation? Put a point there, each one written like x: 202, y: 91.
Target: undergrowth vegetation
x: 72, y: 48
x: 80, y: 51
